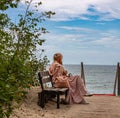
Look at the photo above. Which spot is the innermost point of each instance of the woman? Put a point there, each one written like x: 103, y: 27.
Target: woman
x: 75, y: 84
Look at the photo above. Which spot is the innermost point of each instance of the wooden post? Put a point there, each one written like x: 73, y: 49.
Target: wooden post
x: 82, y: 73
x: 118, y: 79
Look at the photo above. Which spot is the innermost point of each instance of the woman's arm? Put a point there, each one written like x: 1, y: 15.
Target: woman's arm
x: 64, y: 72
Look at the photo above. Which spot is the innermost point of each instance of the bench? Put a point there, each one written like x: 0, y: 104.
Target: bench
x: 48, y: 91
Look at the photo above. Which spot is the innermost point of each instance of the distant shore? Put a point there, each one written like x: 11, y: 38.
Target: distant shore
x: 99, y: 107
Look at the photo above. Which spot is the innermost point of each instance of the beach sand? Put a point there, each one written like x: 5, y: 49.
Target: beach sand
x: 99, y: 107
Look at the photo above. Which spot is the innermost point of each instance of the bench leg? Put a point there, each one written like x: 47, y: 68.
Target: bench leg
x: 42, y: 99
x: 66, y: 92
x: 58, y: 100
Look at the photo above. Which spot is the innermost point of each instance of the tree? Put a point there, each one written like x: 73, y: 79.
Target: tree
x: 5, y: 4
x: 18, y: 46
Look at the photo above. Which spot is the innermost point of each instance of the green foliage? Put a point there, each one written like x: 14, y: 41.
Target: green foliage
x: 18, y: 46
x: 5, y: 4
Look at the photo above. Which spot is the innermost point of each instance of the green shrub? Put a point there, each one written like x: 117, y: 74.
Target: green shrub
x: 18, y: 47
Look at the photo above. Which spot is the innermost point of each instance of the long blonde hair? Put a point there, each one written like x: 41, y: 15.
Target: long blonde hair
x: 58, y: 57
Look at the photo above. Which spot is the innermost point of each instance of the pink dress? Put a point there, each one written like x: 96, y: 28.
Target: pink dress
x: 77, y: 89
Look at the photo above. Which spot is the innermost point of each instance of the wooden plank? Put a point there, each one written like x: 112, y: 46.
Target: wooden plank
x: 118, y: 79
x: 44, y: 73
x: 56, y: 89
x: 82, y: 73
x: 51, y: 89
x: 46, y: 79
x: 63, y: 89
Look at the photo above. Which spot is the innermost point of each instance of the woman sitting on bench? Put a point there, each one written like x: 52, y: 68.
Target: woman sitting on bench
x: 77, y: 89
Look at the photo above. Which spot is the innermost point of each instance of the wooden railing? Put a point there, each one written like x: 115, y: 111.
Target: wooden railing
x: 117, y: 81
x: 82, y: 73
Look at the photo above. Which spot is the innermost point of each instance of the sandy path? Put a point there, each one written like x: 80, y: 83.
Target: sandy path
x: 99, y: 107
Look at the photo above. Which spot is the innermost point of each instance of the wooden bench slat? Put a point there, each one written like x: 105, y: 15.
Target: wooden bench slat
x: 44, y: 73
x: 63, y: 89
x: 52, y: 89
x: 47, y: 79
x: 56, y: 89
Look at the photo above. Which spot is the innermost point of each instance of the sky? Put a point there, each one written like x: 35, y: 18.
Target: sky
x: 85, y: 31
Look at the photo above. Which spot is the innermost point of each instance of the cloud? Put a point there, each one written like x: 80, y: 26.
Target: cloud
x: 88, y: 41
x: 84, y: 39
x: 81, y: 9
x: 111, y: 42
x: 78, y: 29
x: 103, y: 45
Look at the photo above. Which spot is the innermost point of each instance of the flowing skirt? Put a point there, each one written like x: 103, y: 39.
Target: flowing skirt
x: 77, y: 89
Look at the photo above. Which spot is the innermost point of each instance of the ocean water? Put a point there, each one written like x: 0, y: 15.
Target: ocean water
x: 99, y: 78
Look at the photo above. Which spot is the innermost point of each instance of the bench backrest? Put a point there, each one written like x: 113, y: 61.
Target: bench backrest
x: 45, y: 79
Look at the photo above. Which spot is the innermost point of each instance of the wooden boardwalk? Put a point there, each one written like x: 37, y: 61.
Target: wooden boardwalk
x: 99, y: 107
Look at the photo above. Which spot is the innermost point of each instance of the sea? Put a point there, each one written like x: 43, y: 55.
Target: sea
x: 99, y: 79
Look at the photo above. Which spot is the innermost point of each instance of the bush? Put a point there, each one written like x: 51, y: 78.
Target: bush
x: 18, y: 47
